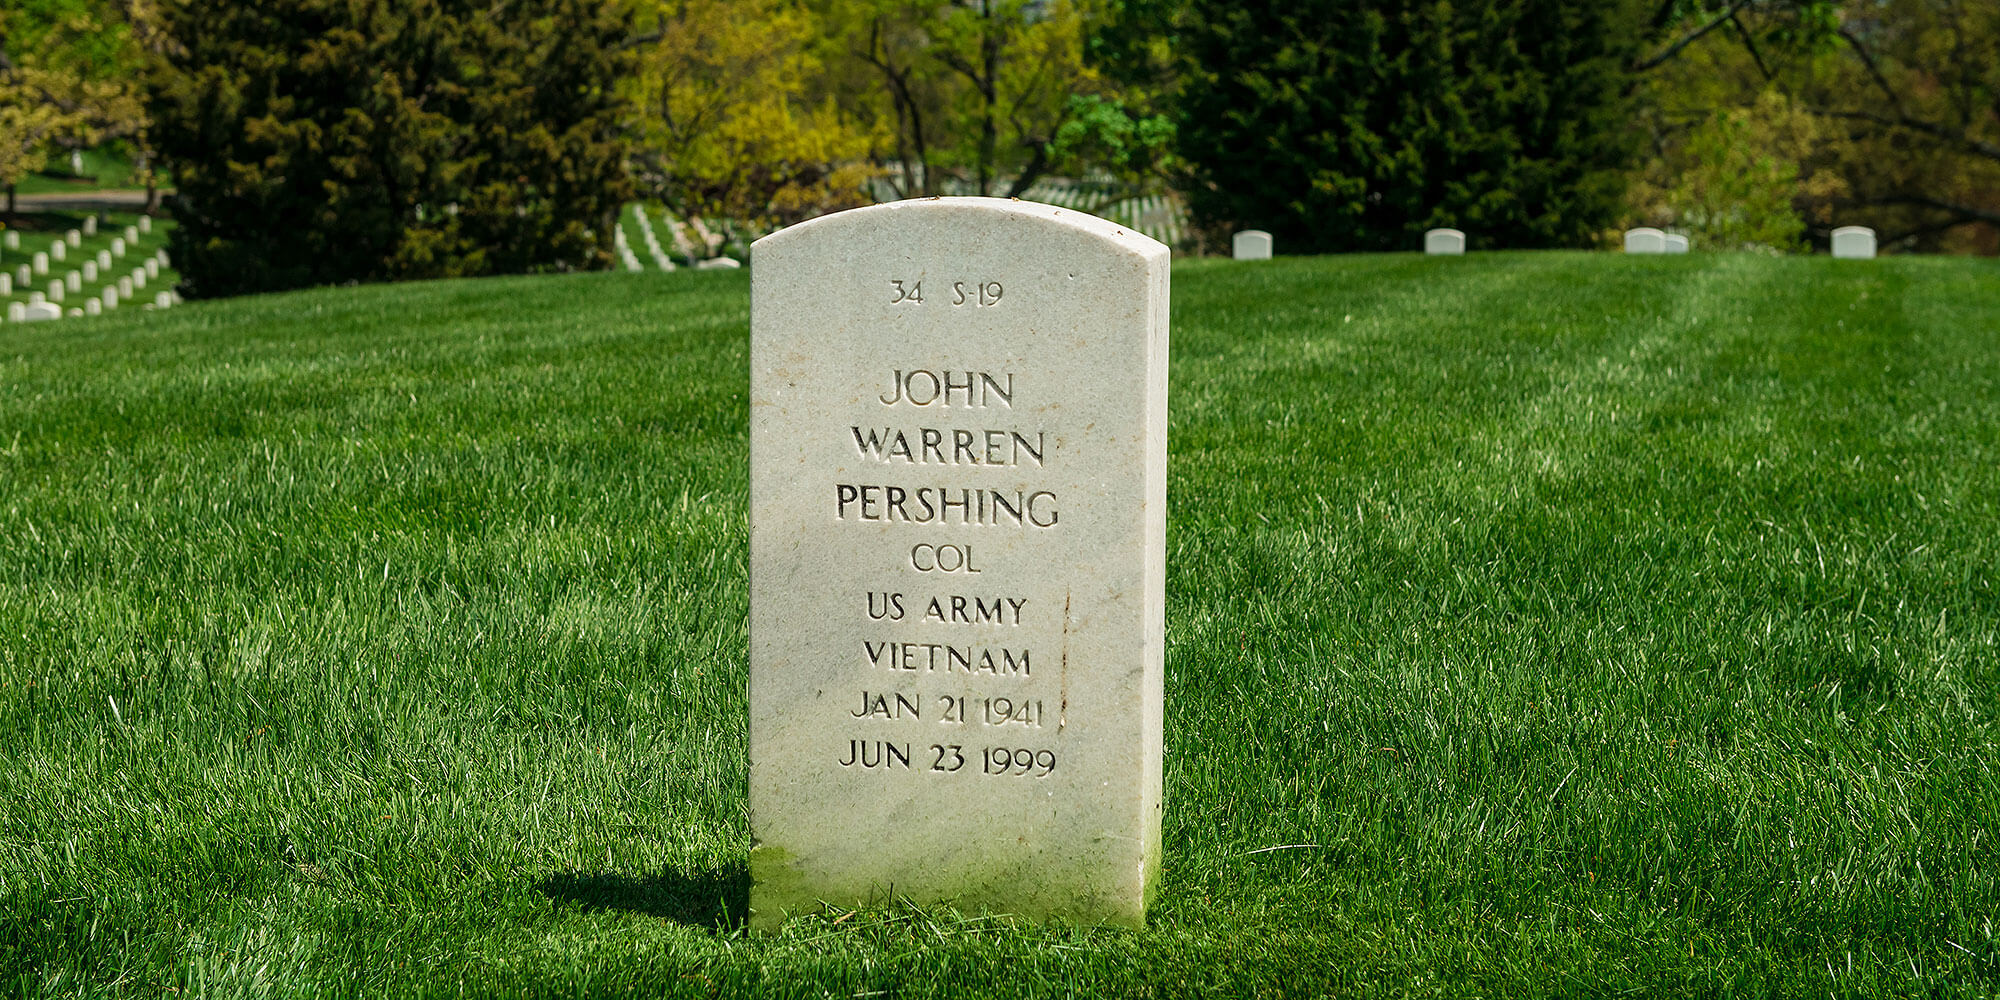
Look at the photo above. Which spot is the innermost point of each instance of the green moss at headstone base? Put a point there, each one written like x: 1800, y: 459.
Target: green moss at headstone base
x: 779, y: 890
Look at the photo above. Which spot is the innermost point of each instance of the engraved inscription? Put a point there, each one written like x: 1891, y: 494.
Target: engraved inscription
x: 924, y: 387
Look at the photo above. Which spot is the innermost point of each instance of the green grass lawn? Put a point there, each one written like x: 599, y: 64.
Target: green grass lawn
x: 102, y: 168
x: 1539, y: 625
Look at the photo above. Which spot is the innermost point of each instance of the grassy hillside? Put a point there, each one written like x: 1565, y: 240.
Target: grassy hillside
x: 1539, y: 624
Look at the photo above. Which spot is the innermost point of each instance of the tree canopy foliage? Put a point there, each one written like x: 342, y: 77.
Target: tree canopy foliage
x: 1343, y: 125
x: 69, y: 78
x: 322, y: 141
x: 1886, y: 112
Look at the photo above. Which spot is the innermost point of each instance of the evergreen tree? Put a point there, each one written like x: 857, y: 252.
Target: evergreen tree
x: 1358, y: 124
x: 324, y: 141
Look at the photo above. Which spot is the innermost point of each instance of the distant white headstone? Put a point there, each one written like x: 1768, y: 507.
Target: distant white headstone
x: 1854, y: 243
x: 131, y: 234
x: 163, y: 300
x: 718, y: 264
x: 13, y: 240
x: 1251, y: 244
x: 146, y: 222
x: 56, y: 290
x: 152, y: 267
x: 40, y: 311
x: 1645, y: 239
x: 35, y: 298
x: 24, y: 275
x: 138, y: 277
x: 104, y: 260
x: 41, y: 262
x: 90, y: 225
x: 73, y: 238
x: 1447, y: 242
x: 90, y: 271
x: 1675, y: 243
x: 6, y: 284
x: 16, y: 312
x: 125, y: 287
x: 110, y: 296
x: 58, y: 251
x: 93, y: 307
x: 73, y: 282
x: 117, y: 248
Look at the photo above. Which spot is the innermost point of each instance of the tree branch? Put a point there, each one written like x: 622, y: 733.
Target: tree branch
x: 1968, y: 143
x: 1965, y: 213
x: 1691, y: 37
x: 1874, y: 70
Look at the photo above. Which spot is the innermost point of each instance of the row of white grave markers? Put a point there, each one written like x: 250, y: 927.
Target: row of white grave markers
x: 687, y: 249
x: 48, y: 304
x: 652, y: 241
x: 1848, y: 242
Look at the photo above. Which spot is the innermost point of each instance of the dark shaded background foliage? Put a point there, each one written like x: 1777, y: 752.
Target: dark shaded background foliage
x: 1357, y: 124
x: 481, y: 139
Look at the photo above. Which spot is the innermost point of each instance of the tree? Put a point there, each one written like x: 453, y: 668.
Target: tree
x: 961, y: 94
x: 1342, y: 125
x: 67, y: 72
x: 323, y: 141
x: 731, y: 116
x: 1905, y: 95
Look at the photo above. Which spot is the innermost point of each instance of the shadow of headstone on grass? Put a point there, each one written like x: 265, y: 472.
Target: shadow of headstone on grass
x: 718, y: 897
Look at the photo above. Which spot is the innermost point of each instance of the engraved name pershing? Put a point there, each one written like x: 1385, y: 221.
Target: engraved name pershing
x: 943, y: 505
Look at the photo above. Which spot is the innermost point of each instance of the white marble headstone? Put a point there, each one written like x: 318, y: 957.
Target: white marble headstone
x: 41, y: 262
x: 73, y: 282
x: 1854, y: 242
x: 93, y: 307
x: 73, y: 238
x: 40, y: 311
x: 1447, y: 242
x: 16, y: 312
x: 58, y: 250
x: 13, y: 240
x: 90, y: 225
x: 1251, y: 244
x: 1645, y: 239
x: 146, y: 223
x: 125, y: 287
x: 90, y: 270
x: 6, y: 284
x: 1674, y: 243
x: 117, y: 247
x: 957, y: 531
x: 103, y: 260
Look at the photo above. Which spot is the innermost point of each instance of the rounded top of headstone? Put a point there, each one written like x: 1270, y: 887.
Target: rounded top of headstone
x: 1444, y: 232
x: 946, y: 213
x: 1645, y: 231
x: 1853, y: 229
